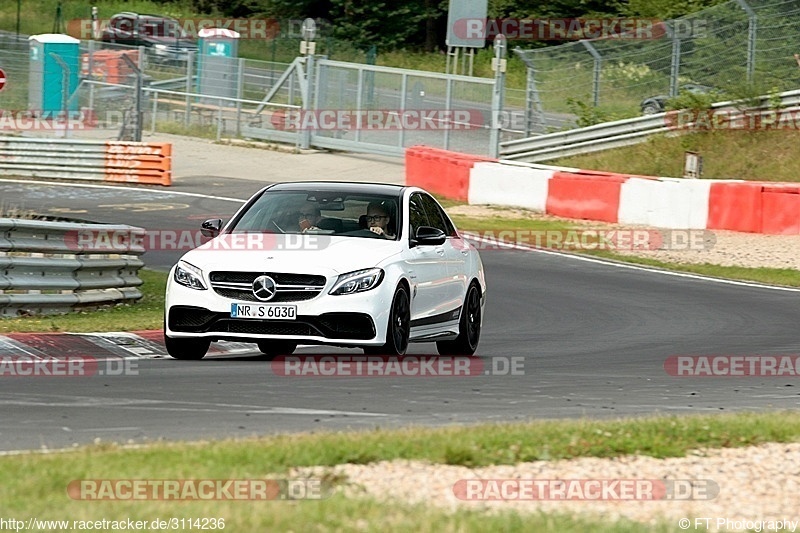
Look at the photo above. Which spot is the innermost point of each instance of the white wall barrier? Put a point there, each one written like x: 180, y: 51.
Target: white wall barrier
x: 509, y: 184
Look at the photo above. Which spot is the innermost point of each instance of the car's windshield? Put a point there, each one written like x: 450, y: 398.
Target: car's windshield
x: 322, y: 212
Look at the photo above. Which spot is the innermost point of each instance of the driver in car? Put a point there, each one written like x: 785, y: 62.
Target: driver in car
x: 309, y: 218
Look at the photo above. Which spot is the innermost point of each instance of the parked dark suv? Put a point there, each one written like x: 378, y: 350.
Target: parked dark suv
x: 163, y: 36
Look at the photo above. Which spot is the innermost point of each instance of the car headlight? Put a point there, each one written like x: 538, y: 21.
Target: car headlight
x: 160, y: 47
x: 189, y: 276
x: 358, y: 281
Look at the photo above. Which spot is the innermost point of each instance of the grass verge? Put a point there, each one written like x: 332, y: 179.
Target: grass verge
x: 32, y: 479
x: 746, y: 155
x: 147, y: 313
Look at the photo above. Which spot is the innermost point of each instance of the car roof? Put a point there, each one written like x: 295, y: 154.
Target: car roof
x: 340, y: 186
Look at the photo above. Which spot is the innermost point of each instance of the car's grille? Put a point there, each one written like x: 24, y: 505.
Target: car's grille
x: 289, y: 287
x: 189, y: 319
x: 248, y: 296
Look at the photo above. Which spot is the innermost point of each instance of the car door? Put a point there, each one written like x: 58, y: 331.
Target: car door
x: 455, y: 254
x: 427, y: 268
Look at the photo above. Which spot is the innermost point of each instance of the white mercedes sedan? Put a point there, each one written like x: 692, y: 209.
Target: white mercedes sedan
x: 342, y: 264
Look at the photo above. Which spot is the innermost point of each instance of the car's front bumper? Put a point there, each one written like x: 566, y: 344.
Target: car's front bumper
x: 348, y: 320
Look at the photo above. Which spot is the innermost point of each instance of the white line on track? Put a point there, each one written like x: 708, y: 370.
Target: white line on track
x: 629, y: 266
x: 140, y: 189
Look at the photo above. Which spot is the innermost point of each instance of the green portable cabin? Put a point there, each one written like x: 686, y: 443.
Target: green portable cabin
x: 54, y: 69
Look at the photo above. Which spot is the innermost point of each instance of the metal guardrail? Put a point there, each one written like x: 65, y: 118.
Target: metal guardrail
x: 613, y: 134
x: 56, y: 267
x: 86, y: 160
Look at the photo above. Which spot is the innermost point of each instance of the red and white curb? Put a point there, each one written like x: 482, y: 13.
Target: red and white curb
x: 126, y: 345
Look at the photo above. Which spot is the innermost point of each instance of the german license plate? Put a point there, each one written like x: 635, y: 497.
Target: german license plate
x: 264, y: 312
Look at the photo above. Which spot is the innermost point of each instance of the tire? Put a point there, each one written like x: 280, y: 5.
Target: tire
x: 187, y: 349
x: 399, y: 329
x: 272, y: 349
x: 650, y: 109
x: 469, y: 327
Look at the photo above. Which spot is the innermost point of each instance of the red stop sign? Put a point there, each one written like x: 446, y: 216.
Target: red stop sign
x: 2, y: 79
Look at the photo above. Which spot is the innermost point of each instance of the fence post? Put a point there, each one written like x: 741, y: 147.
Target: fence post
x: 675, y: 67
x: 189, y: 85
x: 596, y: 77
x: 499, y: 67
x: 752, y: 25
x: 239, y: 96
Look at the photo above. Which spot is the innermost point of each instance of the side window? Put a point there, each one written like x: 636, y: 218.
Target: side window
x: 416, y: 213
x: 435, y: 215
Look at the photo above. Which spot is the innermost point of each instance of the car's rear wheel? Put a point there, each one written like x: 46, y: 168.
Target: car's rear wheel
x: 650, y: 109
x: 469, y: 327
x: 399, y: 329
x: 272, y: 349
x: 189, y: 349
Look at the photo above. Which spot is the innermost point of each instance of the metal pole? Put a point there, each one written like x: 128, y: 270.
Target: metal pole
x: 751, y: 47
x: 305, y: 135
x: 676, y: 67
x: 219, y: 120
x: 499, y: 67
x: 448, y: 104
x: 155, y: 112
x: 360, y: 88
x: 189, y: 86
x: 64, y: 90
x: 239, y: 96
x: 596, y: 78
x: 752, y: 25
x: 403, y: 94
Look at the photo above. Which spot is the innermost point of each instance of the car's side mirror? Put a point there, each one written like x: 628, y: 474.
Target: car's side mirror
x: 211, y: 227
x: 427, y: 235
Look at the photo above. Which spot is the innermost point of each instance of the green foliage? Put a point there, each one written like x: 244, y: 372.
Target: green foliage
x: 587, y: 114
x: 692, y: 101
x: 666, y: 9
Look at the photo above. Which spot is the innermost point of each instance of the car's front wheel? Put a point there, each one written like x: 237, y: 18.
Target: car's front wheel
x: 189, y: 349
x: 399, y: 329
x: 272, y: 349
x: 469, y: 327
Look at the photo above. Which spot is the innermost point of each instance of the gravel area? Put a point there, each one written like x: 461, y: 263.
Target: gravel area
x: 759, y: 483
x: 759, y: 486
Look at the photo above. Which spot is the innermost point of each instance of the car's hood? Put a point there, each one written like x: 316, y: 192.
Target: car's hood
x: 302, y: 254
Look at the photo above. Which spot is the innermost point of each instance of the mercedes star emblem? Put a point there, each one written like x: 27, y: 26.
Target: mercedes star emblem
x: 264, y: 288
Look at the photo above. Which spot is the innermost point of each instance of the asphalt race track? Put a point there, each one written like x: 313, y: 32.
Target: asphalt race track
x: 593, y: 339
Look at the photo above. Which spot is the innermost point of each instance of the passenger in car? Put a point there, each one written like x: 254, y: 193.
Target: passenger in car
x: 309, y: 218
x: 378, y: 220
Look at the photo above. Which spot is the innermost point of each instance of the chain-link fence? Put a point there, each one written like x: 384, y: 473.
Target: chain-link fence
x: 14, y: 63
x: 737, y: 47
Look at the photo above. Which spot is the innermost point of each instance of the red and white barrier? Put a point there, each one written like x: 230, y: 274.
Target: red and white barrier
x: 675, y: 203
